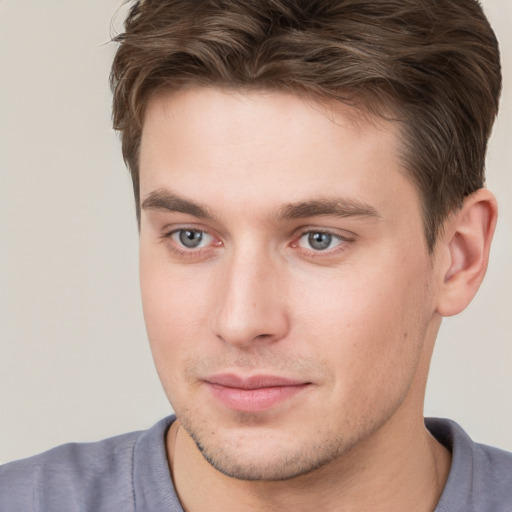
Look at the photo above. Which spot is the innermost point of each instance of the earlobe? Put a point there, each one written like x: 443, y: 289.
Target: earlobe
x: 467, y: 242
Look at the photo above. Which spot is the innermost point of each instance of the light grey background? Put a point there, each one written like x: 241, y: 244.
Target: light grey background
x: 74, y: 360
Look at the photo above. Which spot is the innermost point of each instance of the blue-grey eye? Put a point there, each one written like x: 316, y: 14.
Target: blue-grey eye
x: 319, y: 240
x: 190, y: 238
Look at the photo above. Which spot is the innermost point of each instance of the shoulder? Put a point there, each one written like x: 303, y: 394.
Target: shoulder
x: 65, y: 474
x: 480, y: 477
x: 77, y: 476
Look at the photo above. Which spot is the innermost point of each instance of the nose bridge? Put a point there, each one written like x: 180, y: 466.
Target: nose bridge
x: 251, y: 303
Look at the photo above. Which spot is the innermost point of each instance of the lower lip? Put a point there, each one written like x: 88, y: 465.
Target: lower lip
x: 254, y: 400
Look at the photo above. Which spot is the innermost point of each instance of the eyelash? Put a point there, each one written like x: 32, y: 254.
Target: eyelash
x: 318, y: 253
x: 184, y: 252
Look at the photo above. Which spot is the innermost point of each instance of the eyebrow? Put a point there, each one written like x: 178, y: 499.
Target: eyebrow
x: 165, y: 200
x: 338, y: 207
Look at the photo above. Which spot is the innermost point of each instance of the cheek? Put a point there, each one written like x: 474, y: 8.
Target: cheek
x: 368, y: 328
x: 173, y: 306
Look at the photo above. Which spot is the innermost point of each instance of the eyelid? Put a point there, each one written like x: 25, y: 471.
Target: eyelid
x: 167, y: 237
x: 343, y: 234
x: 169, y: 229
x: 335, y: 238
x: 174, y: 236
x: 345, y: 237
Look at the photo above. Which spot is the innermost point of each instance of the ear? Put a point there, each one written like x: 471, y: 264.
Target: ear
x: 466, y: 244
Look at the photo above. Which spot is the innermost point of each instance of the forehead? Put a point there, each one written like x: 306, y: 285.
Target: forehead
x: 237, y: 144
x: 223, y: 108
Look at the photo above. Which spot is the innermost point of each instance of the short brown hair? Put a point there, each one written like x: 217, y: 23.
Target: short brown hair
x: 433, y: 63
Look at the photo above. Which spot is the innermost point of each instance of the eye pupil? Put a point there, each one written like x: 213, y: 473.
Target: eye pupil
x: 190, y: 238
x: 319, y: 241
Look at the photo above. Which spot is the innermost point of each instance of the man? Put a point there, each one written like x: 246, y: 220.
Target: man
x: 308, y: 179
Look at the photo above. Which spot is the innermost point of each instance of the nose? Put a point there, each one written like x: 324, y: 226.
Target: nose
x: 252, y: 305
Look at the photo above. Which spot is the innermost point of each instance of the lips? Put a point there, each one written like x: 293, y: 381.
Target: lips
x: 255, y: 393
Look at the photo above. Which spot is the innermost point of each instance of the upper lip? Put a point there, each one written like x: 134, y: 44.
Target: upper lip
x: 231, y: 380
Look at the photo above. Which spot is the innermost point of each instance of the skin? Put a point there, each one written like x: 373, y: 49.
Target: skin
x: 259, y: 175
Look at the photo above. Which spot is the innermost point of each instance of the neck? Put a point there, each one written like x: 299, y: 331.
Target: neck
x: 384, y: 473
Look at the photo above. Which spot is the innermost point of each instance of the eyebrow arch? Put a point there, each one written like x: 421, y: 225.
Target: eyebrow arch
x: 163, y: 199
x: 338, y: 207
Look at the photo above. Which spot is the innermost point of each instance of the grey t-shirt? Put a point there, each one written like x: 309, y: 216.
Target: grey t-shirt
x: 129, y: 473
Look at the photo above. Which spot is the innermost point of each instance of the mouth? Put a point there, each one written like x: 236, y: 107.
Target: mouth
x: 253, y: 394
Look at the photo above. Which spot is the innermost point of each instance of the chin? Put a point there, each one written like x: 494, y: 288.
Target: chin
x: 266, y: 455
x: 266, y: 466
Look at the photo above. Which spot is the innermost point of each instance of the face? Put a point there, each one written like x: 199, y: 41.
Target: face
x: 286, y: 283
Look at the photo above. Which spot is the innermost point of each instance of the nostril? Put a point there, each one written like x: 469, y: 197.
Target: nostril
x: 263, y: 336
